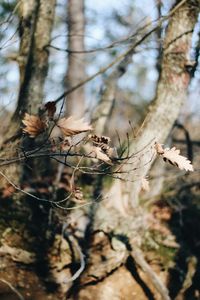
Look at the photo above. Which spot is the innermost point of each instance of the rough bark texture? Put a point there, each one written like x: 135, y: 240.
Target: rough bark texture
x: 36, y: 26
x: 171, y: 93
x: 175, y: 78
x: 75, y: 103
x: 27, y: 15
x: 23, y: 225
x: 36, y: 20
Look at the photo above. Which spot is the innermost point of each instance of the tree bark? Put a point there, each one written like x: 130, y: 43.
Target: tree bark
x: 36, y: 26
x: 24, y: 222
x: 75, y: 103
x: 36, y: 20
x: 170, y: 96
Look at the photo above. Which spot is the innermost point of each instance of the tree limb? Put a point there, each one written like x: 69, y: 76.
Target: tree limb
x: 137, y: 255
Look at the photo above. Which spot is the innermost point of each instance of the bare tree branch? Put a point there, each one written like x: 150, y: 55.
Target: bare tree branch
x: 120, y: 57
x: 19, y: 295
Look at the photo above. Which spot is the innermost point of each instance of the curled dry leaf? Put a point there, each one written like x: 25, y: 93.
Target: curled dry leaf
x: 33, y: 125
x: 99, y: 154
x: 97, y: 140
x: 70, y: 126
x: 174, y: 158
x: 112, y: 153
x: 159, y: 148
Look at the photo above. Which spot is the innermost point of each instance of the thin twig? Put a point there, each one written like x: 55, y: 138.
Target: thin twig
x: 13, y: 289
x: 120, y: 41
x: 81, y: 256
x: 104, y: 69
x: 120, y: 57
x: 33, y: 196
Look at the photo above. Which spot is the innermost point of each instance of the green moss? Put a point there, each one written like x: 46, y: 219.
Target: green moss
x: 156, y: 251
x: 167, y: 255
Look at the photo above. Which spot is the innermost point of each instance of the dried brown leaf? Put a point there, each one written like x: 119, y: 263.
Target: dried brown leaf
x: 70, y: 126
x: 97, y: 140
x: 99, y: 154
x: 7, y: 191
x: 112, y: 152
x: 51, y: 108
x: 159, y: 148
x: 173, y: 157
x: 102, y: 143
x: 33, y: 125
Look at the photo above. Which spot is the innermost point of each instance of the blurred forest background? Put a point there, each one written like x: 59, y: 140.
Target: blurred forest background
x: 120, y: 224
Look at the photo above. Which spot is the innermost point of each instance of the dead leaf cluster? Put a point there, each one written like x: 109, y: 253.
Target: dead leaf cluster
x: 35, y: 125
x: 101, y: 148
x: 70, y: 126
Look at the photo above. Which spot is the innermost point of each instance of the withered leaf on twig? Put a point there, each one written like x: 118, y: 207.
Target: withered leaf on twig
x: 33, y: 125
x: 97, y: 140
x: 71, y: 126
x: 51, y: 108
x: 174, y: 158
x: 102, y: 149
x: 159, y: 148
x: 99, y: 154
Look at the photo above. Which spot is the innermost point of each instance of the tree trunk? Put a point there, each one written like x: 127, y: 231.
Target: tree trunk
x: 36, y: 21
x: 170, y: 96
x: 111, y: 219
x: 75, y: 103
x: 23, y: 221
